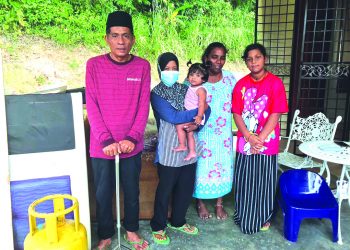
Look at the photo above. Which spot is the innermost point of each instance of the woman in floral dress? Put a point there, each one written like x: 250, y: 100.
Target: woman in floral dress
x: 215, y: 165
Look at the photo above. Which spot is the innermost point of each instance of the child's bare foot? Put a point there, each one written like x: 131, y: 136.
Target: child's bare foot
x: 203, y: 212
x: 190, y: 156
x: 180, y: 148
x: 221, y: 214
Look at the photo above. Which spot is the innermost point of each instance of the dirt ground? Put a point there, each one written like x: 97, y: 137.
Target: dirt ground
x: 31, y: 64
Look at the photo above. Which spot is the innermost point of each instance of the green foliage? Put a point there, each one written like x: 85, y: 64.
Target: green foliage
x: 41, y: 80
x: 11, y: 16
x: 184, y: 27
x: 189, y: 27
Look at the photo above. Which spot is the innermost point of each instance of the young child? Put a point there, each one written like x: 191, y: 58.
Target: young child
x: 195, y: 98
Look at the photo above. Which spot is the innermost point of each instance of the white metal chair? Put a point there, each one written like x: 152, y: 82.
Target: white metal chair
x: 313, y: 128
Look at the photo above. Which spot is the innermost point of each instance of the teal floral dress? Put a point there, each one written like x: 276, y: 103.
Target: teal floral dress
x: 214, y: 174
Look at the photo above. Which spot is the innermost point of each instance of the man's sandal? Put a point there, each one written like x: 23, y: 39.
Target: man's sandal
x: 265, y: 227
x: 161, y: 238
x: 135, y: 243
x: 186, y: 228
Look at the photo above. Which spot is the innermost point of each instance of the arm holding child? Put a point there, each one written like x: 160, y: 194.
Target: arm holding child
x: 202, y: 105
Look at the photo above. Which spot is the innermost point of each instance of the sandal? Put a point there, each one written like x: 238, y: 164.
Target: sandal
x: 135, y: 243
x: 265, y: 227
x: 186, y: 228
x: 160, y: 237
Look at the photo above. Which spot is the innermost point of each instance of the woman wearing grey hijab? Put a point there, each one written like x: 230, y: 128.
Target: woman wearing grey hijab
x: 176, y: 175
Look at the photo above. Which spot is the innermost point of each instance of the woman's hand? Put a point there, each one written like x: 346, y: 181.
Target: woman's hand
x: 256, y: 144
x: 198, y: 120
x: 189, y: 127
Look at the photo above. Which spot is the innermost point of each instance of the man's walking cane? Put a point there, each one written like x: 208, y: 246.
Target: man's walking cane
x: 117, y: 194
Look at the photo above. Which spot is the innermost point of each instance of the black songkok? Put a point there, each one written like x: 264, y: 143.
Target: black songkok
x: 119, y: 18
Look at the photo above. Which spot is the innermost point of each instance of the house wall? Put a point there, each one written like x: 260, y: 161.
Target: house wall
x: 336, y: 102
x: 308, y: 43
x: 274, y: 29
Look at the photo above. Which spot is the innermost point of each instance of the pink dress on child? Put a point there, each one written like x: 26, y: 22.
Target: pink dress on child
x: 191, y: 99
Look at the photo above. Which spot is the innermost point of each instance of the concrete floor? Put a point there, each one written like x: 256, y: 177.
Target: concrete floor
x: 216, y: 234
x: 314, y: 234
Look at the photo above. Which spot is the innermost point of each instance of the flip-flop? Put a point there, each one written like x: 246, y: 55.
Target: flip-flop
x: 184, y: 227
x: 164, y: 241
x: 133, y: 243
x: 265, y: 227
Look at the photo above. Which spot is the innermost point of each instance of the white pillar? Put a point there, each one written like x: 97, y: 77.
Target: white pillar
x: 6, y: 235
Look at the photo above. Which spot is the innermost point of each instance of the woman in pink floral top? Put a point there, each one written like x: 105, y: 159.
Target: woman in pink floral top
x: 258, y: 99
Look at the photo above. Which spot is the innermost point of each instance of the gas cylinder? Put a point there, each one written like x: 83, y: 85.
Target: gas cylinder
x: 57, y: 232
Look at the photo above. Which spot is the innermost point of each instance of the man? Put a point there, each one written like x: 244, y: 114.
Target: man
x: 117, y: 102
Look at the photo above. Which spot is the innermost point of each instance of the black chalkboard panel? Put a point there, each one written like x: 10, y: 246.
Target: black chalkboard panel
x: 39, y: 123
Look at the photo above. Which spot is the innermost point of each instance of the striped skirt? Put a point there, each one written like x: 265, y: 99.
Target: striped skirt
x: 255, y: 179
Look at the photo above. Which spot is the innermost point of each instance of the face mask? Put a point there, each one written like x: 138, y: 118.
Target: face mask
x: 169, y: 77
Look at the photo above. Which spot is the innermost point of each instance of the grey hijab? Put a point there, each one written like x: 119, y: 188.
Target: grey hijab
x: 175, y: 94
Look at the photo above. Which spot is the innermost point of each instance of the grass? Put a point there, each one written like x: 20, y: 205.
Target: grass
x: 185, y: 28
x: 187, y: 36
x: 41, y: 80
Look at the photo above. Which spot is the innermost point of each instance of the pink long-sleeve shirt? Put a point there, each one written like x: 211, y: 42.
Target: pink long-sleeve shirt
x: 117, y: 102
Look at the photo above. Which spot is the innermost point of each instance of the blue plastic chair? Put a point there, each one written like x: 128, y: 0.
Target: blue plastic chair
x: 304, y: 194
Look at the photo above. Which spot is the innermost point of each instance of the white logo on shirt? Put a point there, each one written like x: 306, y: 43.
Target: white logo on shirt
x: 133, y: 79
